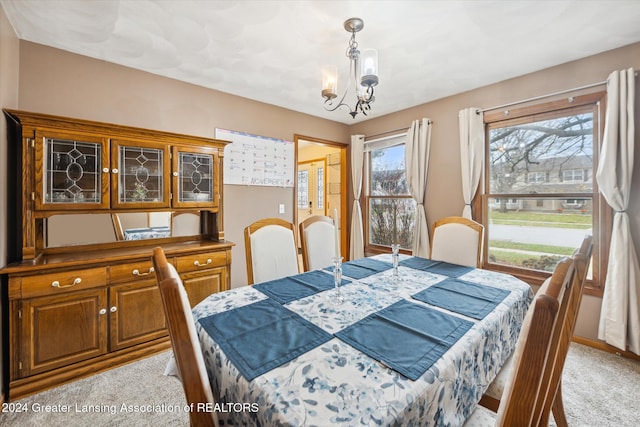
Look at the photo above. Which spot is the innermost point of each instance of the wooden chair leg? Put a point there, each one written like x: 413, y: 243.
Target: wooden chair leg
x: 490, y: 403
x: 558, y: 408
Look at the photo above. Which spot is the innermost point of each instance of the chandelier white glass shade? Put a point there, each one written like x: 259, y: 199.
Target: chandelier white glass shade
x: 363, y: 75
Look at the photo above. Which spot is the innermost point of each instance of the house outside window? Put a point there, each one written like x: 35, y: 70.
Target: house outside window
x: 389, y: 208
x: 541, y: 199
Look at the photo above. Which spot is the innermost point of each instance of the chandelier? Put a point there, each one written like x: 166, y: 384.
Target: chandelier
x: 363, y: 75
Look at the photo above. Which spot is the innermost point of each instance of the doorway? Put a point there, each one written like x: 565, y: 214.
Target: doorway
x: 321, y: 184
x: 312, y: 191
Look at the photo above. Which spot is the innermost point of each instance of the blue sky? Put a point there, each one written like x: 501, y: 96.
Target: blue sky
x: 392, y: 159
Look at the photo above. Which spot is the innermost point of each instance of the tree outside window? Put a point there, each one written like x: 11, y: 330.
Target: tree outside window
x: 390, y: 207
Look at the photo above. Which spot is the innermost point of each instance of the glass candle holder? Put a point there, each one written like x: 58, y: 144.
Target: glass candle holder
x: 395, y: 255
x: 336, y: 296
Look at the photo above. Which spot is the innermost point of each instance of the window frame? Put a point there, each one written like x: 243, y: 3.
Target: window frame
x: 602, y: 212
x: 369, y: 248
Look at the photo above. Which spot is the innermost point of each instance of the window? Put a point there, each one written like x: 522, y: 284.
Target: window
x: 303, y: 189
x: 539, y: 187
x: 390, y: 209
x: 320, y: 188
x: 536, y: 177
x: 574, y: 204
x: 573, y: 175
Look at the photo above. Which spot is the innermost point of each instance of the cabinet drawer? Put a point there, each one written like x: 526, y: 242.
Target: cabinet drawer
x: 63, y: 281
x: 201, y: 261
x: 199, y: 285
x: 131, y: 272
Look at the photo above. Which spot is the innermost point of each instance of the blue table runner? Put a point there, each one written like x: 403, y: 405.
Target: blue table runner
x: 363, y: 267
x: 470, y: 299
x: 418, y: 263
x: 405, y: 336
x: 437, y: 267
x: 262, y: 336
x: 292, y: 288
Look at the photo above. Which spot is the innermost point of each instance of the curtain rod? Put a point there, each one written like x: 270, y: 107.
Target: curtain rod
x: 386, y: 132
x: 535, y: 98
x: 384, y: 138
x: 393, y: 130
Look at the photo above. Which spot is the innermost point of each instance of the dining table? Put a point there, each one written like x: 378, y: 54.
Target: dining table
x: 412, y: 344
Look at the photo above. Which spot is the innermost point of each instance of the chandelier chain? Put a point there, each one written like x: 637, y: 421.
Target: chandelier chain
x: 352, y: 50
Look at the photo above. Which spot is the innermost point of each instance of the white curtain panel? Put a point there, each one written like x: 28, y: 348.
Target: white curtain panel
x: 416, y: 158
x: 357, y: 236
x: 471, y: 154
x: 620, y: 314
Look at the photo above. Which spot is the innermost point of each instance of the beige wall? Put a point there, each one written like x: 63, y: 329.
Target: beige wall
x: 311, y: 151
x: 9, y: 58
x: 444, y: 188
x: 8, y: 99
x: 56, y: 82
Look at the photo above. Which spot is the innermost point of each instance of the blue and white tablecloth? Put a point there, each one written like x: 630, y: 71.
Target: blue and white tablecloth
x: 336, y: 384
x: 146, y: 233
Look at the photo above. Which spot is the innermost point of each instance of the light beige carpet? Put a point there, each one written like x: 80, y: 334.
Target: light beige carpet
x: 149, y: 399
x: 600, y: 390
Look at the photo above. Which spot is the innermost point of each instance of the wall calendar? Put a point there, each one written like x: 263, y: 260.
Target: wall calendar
x: 257, y: 160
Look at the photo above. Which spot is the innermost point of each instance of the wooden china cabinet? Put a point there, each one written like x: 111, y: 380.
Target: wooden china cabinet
x: 82, y: 294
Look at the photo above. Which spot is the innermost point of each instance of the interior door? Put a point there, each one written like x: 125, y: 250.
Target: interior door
x: 311, y: 189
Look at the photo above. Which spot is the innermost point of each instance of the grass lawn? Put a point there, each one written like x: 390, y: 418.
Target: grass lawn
x: 539, y: 219
x: 517, y: 258
x: 548, y: 249
x: 509, y: 258
x: 515, y: 253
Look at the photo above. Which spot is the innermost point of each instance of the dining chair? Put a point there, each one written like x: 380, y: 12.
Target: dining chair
x: 270, y: 249
x: 128, y: 220
x: 533, y: 355
x: 562, y: 339
x: 184, y: 341
x: 457, y: 240
x: 185, y: 223
x: 553, y: 402
x: 318, y: 242
x: 160, y: 219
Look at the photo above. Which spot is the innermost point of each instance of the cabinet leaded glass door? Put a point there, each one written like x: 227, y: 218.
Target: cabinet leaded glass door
x: 194, y: 179
x: 70, y: 171
x: 139, y: 176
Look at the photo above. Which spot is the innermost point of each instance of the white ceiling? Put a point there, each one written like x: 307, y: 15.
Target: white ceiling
x: 273, y: 51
